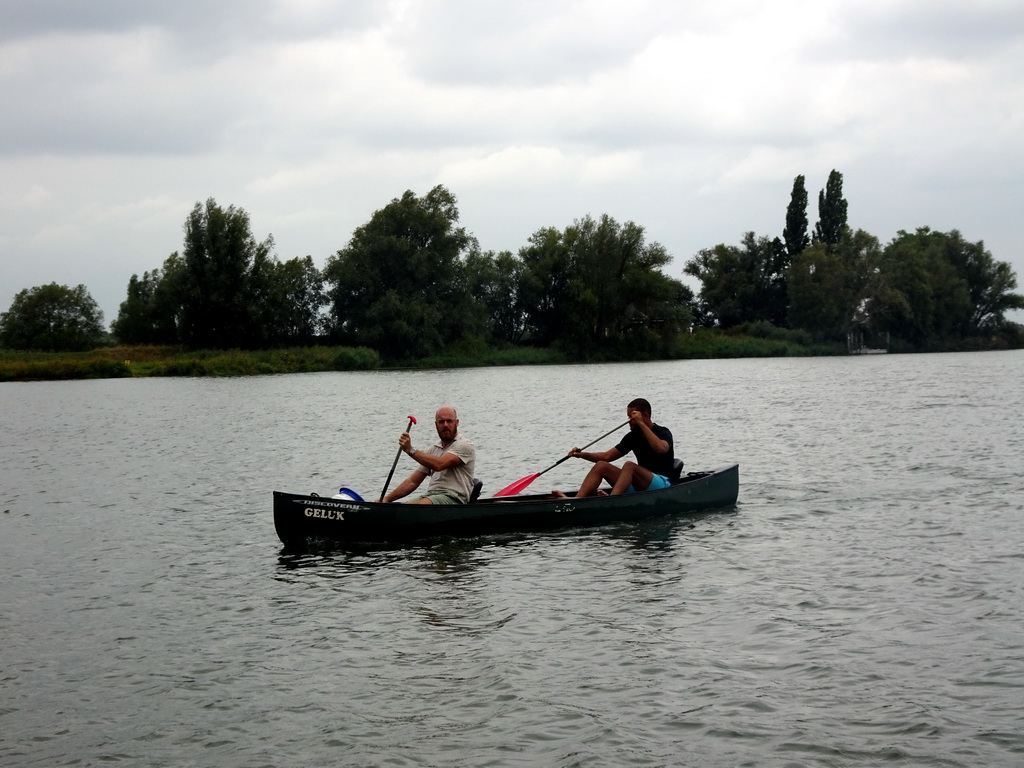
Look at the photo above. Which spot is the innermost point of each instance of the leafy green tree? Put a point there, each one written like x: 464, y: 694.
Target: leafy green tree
x: 286, y: 300
x: 938, y: 289
x: 598, y: 285
x: 223, y: 267
x: 544, y: 286
x: 795, y: 235
x: 657, y: 308
x: 289, y: 299
x: 399, y: 285
x: 149, y: 314
x: 132, y: 325
x: 816, y: 282
x: 906, y: 269
x: 741, y: 285
x: 494, y: 281
x: 832, y: 211
x: 726, y: 289
x: 831, y: 289
x: 598, y: 251
x: 52, y: 318
x: 167, y: 304
x: 747, y: 284
x: 990, y: 283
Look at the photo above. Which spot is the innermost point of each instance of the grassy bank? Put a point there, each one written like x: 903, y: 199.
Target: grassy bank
x: 124, y: 362
x: 138, y: 361
x: 705, y: 343
x: 758, y: 339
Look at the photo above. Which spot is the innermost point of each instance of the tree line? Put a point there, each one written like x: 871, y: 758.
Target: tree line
x: 411, y: 283
x: 924, y: 289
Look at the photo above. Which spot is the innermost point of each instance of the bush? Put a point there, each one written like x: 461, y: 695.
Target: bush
x: 355, y: 359
x: 58, y: 368
x: 705, y: 343
x: 762, y: 329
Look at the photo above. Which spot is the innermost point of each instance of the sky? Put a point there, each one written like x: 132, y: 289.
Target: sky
x: 689, y: 119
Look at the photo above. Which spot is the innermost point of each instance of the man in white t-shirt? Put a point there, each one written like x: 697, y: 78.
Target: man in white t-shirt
x: 450, y: 463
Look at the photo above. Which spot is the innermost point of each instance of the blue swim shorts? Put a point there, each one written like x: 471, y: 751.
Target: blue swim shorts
x: 657, y: 482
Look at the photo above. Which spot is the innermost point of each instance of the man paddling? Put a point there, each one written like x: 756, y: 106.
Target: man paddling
x: 450, y: 463
x: 652, y: 447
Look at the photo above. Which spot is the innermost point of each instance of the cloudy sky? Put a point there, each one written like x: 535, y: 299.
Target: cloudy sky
x: 691, y: 119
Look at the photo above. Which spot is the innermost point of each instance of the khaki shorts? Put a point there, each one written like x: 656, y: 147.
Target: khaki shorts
x: 444, y: 497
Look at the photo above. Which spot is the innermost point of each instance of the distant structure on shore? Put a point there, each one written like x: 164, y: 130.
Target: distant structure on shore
x: 855, y: 344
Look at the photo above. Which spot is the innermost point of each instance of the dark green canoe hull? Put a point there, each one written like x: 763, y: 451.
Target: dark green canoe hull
x: 300, y: 518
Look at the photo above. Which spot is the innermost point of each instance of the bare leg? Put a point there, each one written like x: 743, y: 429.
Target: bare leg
x: 602, y: 470
x: 632, y: 474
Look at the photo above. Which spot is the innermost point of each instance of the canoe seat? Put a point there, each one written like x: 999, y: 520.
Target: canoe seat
x: 475, y: 493
x: 677, y: 469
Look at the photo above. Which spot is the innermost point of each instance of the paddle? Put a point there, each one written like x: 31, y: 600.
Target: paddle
x: 522, y: 483
x: 412, y: 420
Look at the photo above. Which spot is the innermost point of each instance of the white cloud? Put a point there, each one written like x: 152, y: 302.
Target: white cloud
x: 522, y: 167
x: 311, y: 114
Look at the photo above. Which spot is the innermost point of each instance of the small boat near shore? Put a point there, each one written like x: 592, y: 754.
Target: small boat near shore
x: 301, y: 518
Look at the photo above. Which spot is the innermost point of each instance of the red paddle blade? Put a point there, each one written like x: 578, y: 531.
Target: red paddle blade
x: 517, y: 486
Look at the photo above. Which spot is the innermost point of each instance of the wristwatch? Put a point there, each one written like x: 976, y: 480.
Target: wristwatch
x: 413, y: 452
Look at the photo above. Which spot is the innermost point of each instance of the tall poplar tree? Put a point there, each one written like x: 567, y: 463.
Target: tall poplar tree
x: 795, y: 234
x: 831, y: 211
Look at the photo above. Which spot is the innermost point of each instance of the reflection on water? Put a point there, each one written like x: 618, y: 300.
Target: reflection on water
x: 859, y: 606
x: 452, y: 556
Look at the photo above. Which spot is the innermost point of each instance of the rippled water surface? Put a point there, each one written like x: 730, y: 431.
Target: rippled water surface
x: 862, y: 604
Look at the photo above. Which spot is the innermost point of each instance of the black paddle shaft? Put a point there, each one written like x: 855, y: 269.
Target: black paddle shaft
x: 569, y: 456
x: 523, y: 482
x: 395, y: 463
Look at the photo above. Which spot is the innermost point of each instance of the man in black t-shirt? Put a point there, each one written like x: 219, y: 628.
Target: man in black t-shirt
x: 652, y: 447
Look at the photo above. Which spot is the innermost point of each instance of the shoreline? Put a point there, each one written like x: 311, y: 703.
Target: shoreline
x: 169, y: 361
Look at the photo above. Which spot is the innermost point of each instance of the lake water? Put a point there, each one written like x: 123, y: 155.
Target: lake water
x: 862, y: 605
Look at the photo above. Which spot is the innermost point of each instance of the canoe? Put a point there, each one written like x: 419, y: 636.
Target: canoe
x: 299, y: 518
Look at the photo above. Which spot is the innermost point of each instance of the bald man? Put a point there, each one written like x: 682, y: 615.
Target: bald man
x: 450, y: 463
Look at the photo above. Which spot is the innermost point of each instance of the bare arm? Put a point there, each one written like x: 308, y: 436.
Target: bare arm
x: 657, y: 444
x: 407, y: 486
x: 436, y: 463
x: 427, y: 460
x: 610, y: 455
